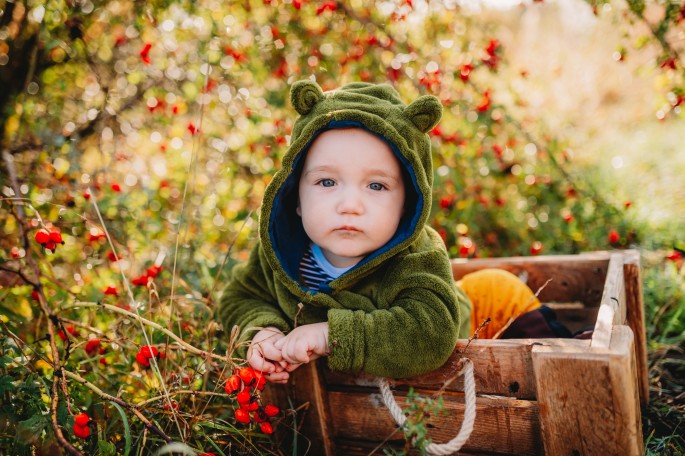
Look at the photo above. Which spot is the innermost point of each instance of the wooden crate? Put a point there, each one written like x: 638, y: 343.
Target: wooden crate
x: 535, y: 396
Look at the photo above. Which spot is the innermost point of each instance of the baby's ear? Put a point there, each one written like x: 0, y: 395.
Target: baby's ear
x: 304, y: 95
x: 424, y: 112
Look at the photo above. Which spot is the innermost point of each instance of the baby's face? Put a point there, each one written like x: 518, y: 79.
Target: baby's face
x: 351, y: 194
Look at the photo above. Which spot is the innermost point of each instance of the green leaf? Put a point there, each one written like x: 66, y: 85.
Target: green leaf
x: 5, y: 360
x: 127, y: 429
x: 106, y: 448
x: 29, y: 431
x: 6, y: 384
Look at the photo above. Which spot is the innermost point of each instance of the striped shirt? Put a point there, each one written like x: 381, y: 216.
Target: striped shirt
x: 316, y: 270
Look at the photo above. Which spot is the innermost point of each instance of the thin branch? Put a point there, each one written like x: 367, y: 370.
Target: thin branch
x: 20, y: 273
x: 183, y: 344
x: 174, y: 393
x: 109, y: 397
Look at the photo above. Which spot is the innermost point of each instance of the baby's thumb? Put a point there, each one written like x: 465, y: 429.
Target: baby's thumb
x: 279, y: 343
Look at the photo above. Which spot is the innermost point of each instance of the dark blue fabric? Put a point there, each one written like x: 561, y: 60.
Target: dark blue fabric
x: 285, y: 227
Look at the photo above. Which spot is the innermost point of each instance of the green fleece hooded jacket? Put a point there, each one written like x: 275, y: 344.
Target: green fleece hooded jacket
x: 397, y: 313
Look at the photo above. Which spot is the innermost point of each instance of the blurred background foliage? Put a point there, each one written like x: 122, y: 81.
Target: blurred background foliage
x: 147, y: 131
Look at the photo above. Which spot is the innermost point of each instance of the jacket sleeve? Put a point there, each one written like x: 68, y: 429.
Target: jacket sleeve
x: 249, y: 300
x: 416, y: 323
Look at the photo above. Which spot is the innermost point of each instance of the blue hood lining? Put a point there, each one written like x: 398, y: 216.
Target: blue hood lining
x: 286, y: 233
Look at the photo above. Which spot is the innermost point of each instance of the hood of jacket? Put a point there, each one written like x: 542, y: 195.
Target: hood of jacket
x: 379, y: 110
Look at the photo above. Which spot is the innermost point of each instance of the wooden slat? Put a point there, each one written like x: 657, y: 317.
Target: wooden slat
x: 306, y: 388
x: 635, y: 308
x: 503, y: 426
x: 574, y: 277
x: 612, y: 310
x: 588, y: 400
x: 501, y: 367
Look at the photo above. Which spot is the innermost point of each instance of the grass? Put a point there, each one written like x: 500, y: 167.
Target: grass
x: 664, y: 418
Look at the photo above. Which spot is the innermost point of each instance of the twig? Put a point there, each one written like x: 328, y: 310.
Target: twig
x: 20, y: 274
x: 109, y: 397
x: 183, y: 344
x: 174, y: 393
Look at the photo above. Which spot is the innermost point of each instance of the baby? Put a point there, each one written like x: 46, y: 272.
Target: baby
x: 346, y: 266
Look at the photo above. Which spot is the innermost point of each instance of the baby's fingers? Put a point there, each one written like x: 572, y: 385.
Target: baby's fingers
x: 296, y: 353
x: 278, y: 377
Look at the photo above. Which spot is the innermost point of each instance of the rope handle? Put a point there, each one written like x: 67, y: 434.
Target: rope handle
x: 457, y: 442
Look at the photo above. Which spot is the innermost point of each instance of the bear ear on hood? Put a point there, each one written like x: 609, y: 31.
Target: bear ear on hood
x: 304, y: 95
x: 424, y: 112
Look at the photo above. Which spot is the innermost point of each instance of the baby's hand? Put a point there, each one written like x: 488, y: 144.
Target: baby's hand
x: 304, y: 344
x: 264, y: 356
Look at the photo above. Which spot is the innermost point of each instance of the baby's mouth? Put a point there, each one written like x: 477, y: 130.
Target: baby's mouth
x: 348, y: 229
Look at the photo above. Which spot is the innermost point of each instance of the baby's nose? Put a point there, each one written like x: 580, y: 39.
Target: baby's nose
x: 351, y: 202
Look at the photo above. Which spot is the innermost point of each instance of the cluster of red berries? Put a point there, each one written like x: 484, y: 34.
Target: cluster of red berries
x: 245, y: 383
x: 49, y: 237
x: 149, y: 274
x: 94, y: 346
x: 147, y: 352
x: 81, y: 429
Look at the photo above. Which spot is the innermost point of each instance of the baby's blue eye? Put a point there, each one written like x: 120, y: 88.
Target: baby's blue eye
x: 376, y: 186
x: 327, y: 182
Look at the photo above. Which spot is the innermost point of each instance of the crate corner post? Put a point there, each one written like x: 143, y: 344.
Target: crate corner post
x: 589, y: 399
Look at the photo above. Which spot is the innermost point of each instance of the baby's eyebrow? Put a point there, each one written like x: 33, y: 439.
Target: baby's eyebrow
x: 382, y: 173
x: 316, y: 169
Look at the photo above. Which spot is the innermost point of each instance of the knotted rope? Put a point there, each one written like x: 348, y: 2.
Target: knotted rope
x: 457, y: 442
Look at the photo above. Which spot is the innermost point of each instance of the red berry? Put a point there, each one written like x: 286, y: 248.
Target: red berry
x: 250, y: 406
x: 152, y: 271
x: 50, y: 245
x: 140, y: 281
x: 247, y: 375
x: 42, y: 236
x: 614, y: 237
x: 536, y: 248
x: 242, y: 416
x: 35, y: 295
x: 86, y: 195
x: 674, y: 256
x: 92, y: 345
x: 81, y: 419
x: 207, y: 454
x: 174, y: 404
x: 15, y: 252
x: 233, y: 384
x: 142, y: 360
x: 56, y: 237
x: 446, y: 202
x: 266, y: 428
x: 111, y: 290
x: 149, y: 351
x: 271, y: 410
x: 243, y: 397
x: 261, y: 380
x: 81, y: 432
x: 116, y: 187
